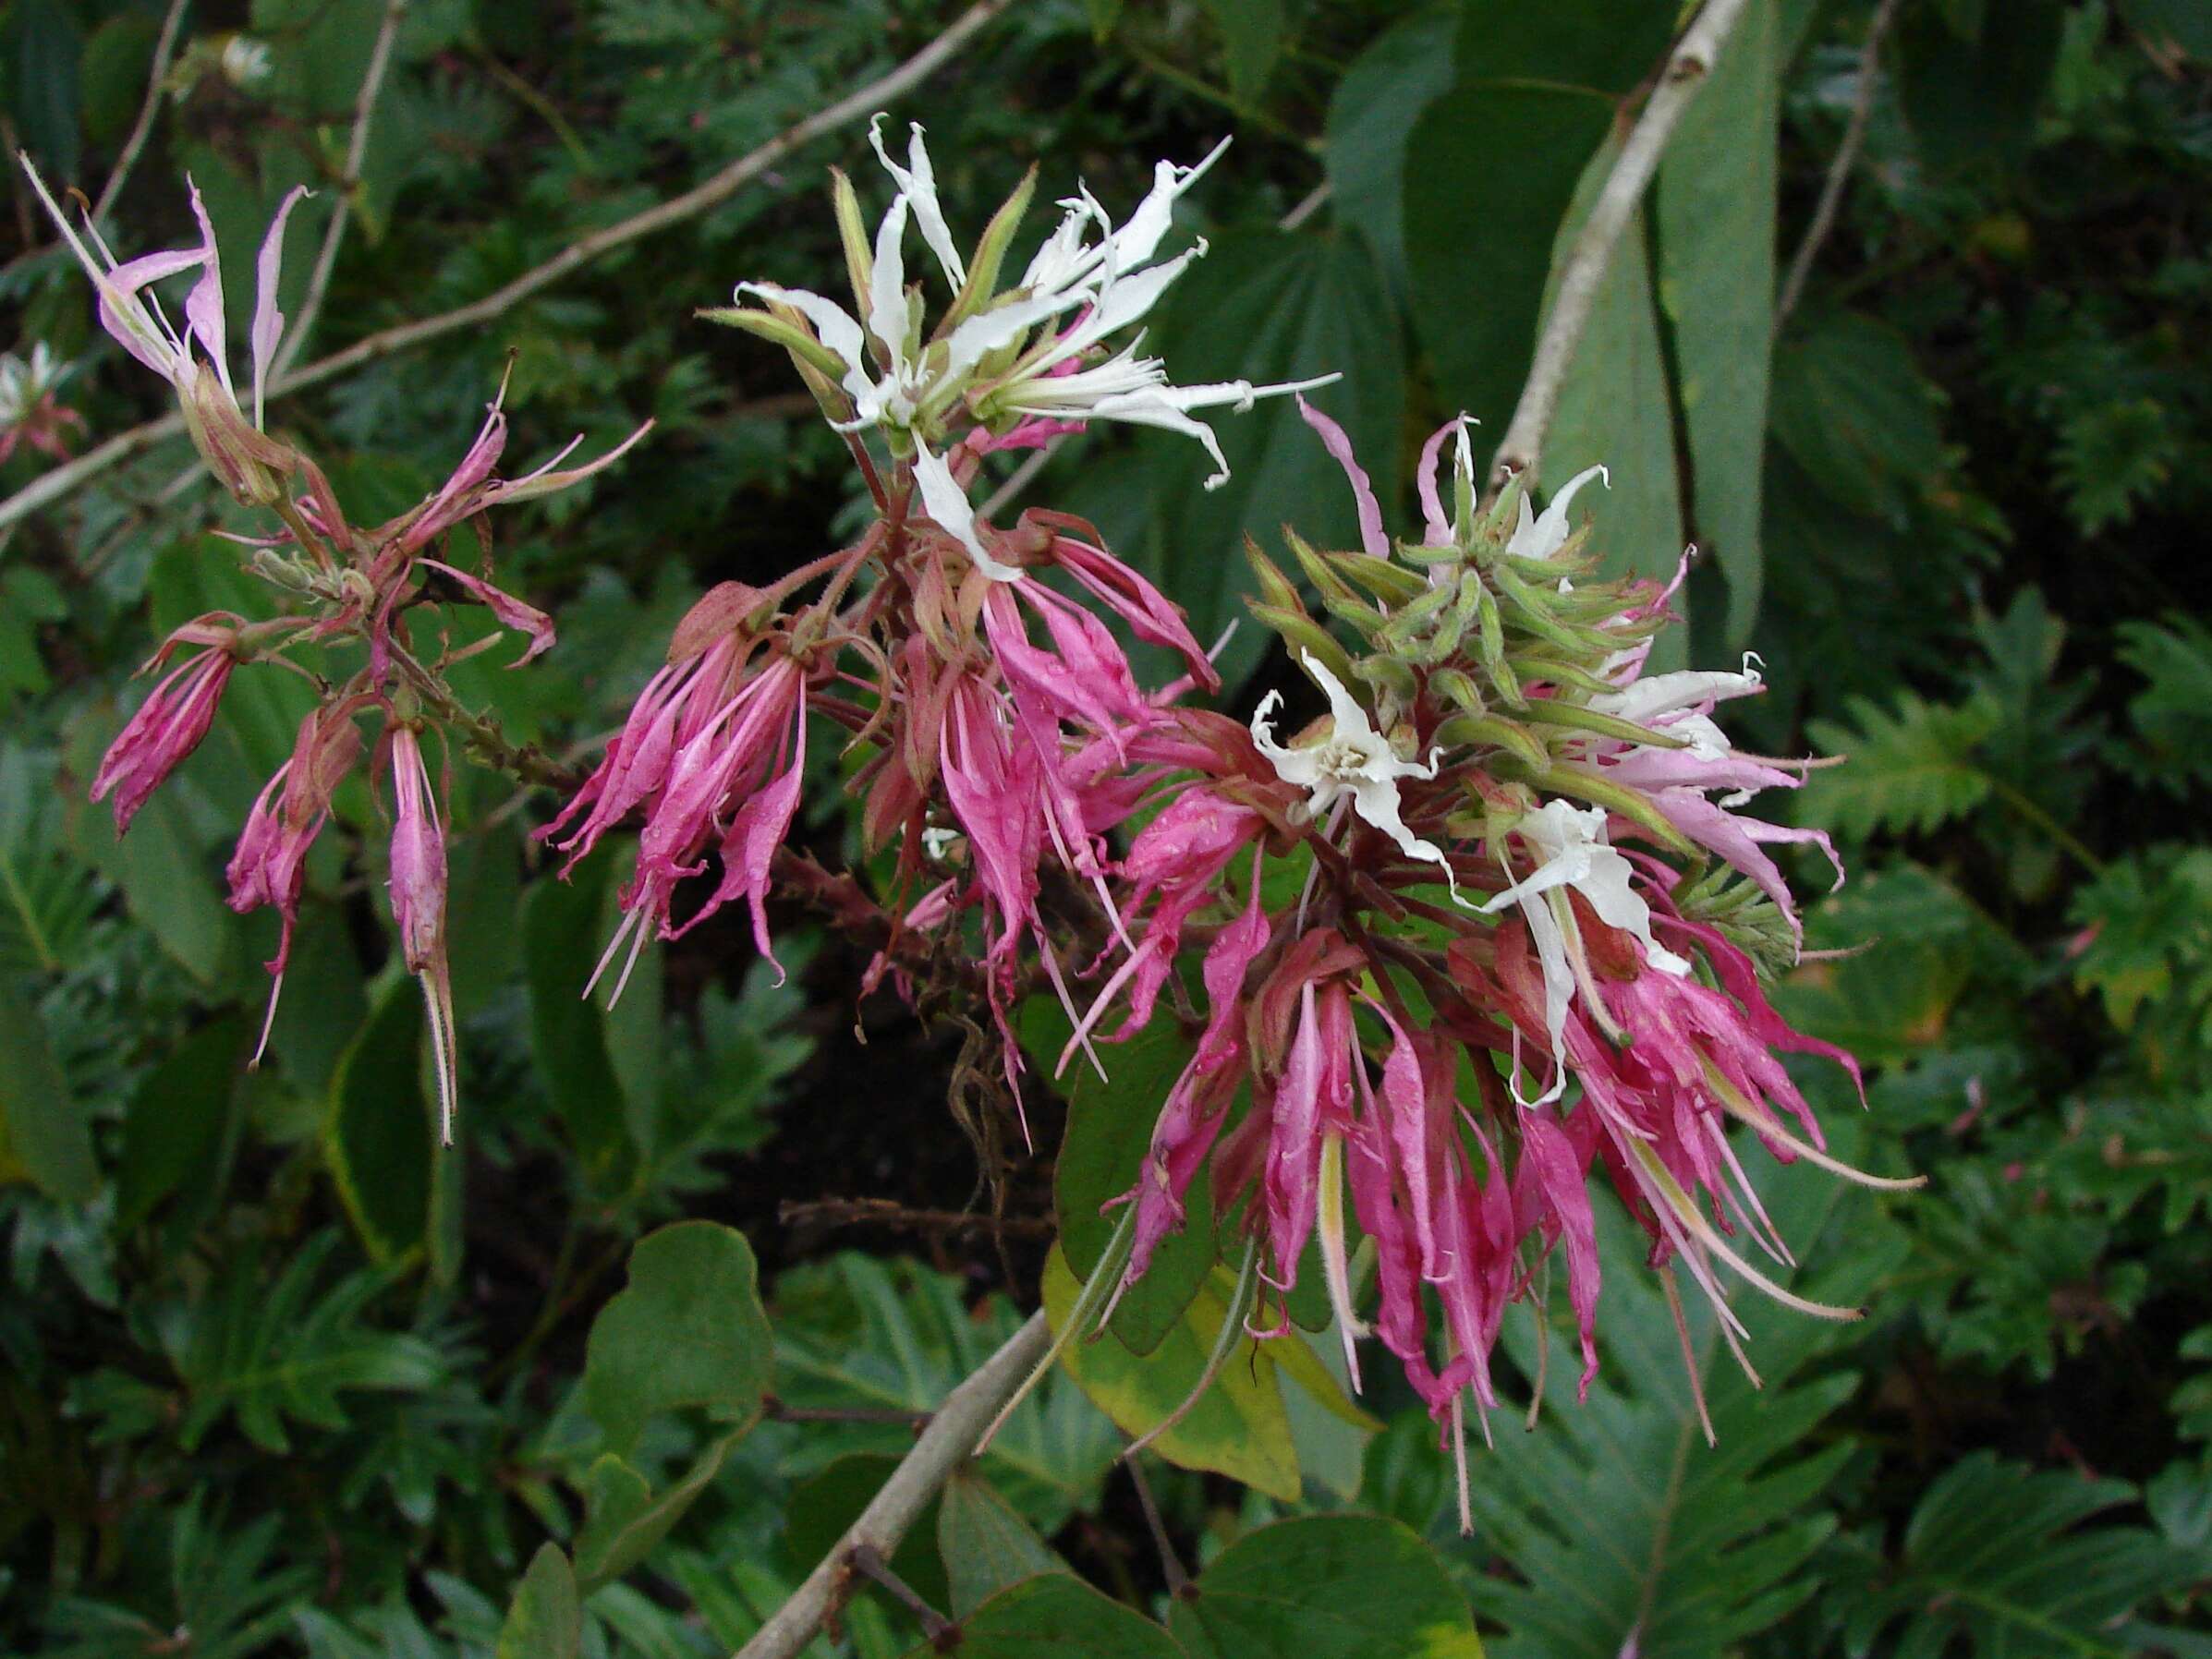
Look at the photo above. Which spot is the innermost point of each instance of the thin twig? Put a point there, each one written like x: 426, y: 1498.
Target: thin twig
x: 164, y: 49
x: 1688, y: 67
x: 349, y: 186
x: 942, y: 1448
x: 59, y: 482
x: 1170, y: 1564
x: 1839, y: 171
x: 885, y: 1212
x: 868, y: 1561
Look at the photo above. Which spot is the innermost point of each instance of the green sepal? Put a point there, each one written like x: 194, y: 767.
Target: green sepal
x: 1386, y: 581
x: 1628, y: 803
x: 989, y: 255
x: 1302, y: 632
x: 792, y: 337
x: 852, y: 231
x: 1471, y: 729
x: 1551, y: 711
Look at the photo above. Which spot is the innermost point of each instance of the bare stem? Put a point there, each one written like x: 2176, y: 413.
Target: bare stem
x: 1839, y: 171
x: 164, y: 50
x: 942, y: 1448
x: 1688, y: 67
x: 864, y: 101
x: 349, y: 187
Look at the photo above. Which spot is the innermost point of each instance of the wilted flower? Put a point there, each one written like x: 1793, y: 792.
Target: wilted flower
x: 417, y: 885
x: 270, y: 866
x: 174, y: 718
x: 251, y: 464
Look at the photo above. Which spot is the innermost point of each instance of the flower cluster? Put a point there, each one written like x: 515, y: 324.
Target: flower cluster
x: 1490, y: 926
x: 338, y: 583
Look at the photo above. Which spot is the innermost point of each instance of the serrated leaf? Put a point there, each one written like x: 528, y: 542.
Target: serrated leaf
x: 1911, y: 769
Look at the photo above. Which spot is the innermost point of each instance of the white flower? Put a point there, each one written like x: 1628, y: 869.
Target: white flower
x: 1354, y: 762
x: 23, y: 383
x: 1571, y: 845
x: 914, y: 388
x: 245, y: 60
x: 1674, y: 703
x: 1540, y: 535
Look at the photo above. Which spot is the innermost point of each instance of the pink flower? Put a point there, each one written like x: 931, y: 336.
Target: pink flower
x: 270, y: 866
x: 170, y: 723
x: 417, y: 885
x: 708, y: 773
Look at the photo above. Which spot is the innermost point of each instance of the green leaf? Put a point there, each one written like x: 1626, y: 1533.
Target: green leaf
x: 1262, y: 306
x: 43, y: 1136
x: 47, y: 47
x: 179, y: 1127
x: 378, y: 1133
x: 1911, y: 770
x: 1615, y: 410
x: 623, y: 1520
x: 1110, y: 1123
x: 2173, y: 713
x: 1625, y: 1530
x: 1327, y: 1587
x: 1714, y: 223
x: 1496, y: 169
x: 690, y: 1330
x: 1996, y: 1557
x: 545, y: 1620
x: 167, y: 882
x: 985, y: 1544
x: 1054, y: 1616
x: 1371, y: 117
x: 1239, y: 1428
x: 823, y: 1507
x: 568, y: 1034
x: 116, y: 60
x: 1252, y: 33
x: 1606, y: 46
x: 1976, y: 99
x: 1851, y: 408
x: 273, y: 1350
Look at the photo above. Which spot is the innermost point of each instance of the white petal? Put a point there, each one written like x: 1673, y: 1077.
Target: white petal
x: 945, y: 502
x: 1548, y: 533
x: 918, y: 184
x: 834, y: 325
x: 1350, y: 719
x: 887, y: 282
x: 1299, y: 766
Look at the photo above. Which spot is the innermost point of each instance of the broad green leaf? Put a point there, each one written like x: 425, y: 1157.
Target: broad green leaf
x: 1238, y: 1429
x: 113, y: 76
x: 1606, y: 46
x: 545, y: 1620
x: 986, y: 1545
x: 1976, y: 99
x: 1252, y: 41
x: 1055, y: 1615
x: 560, y: 925
x: 1265, y: 307
x: 46, y: 46
x: 168, y: 882
x: 1851, y: 408
x: 325, y: 1003
x: 378, y: 1136
x: 1371, y: 115
x: 1327, y: 1587
x: 1615, y: 410
x: 823, y: 1507
x: 623, y: 1520
x: 1497, y: 167
x: 43, y: 1136
x: 1109, y: 1125
x: 1713, y: 219
x: 178, y: 1131
x: 688, y: 1331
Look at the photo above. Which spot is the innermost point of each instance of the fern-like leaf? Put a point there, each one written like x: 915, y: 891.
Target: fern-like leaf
x: 1913, y: 769
x: 1625, y: 1529
x: 1997, y: 1562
